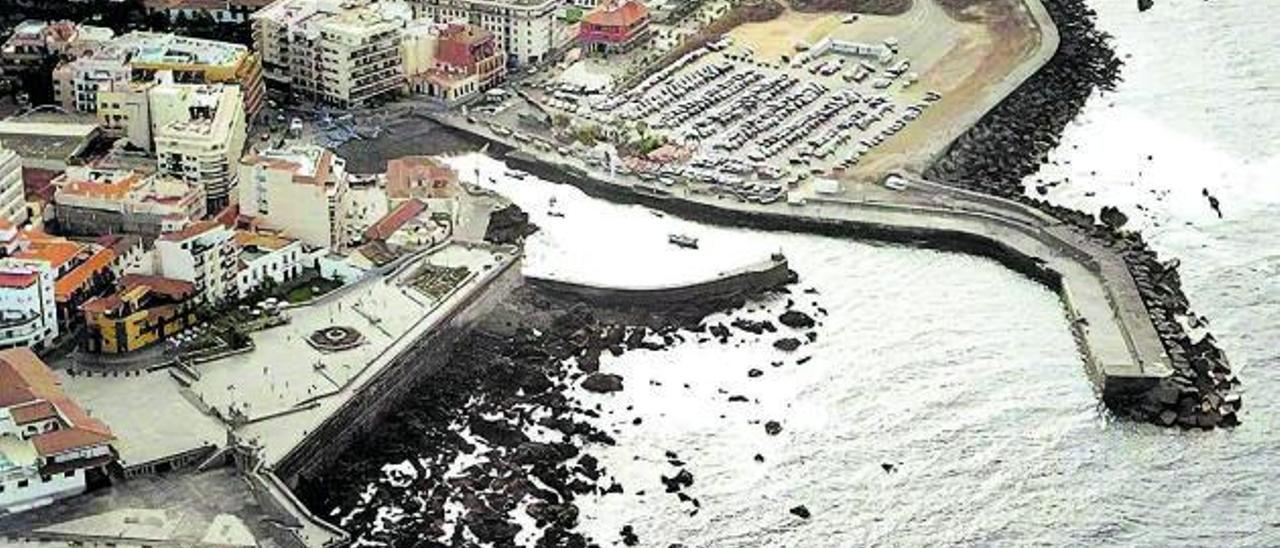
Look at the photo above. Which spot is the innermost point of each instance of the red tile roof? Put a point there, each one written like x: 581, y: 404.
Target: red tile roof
x: 190, y: 231
x: 66, y: 286
x: 15, y: 279
x: 27, y: 382
x: 391, y: 222
x: 614, y: 15
x: 24, y: 378
x: 35, y: 412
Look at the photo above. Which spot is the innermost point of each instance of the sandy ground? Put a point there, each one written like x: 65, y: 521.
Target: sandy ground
x: 772, y: 39
x: 981, y: 55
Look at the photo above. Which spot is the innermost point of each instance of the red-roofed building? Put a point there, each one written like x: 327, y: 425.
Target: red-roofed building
x: 49, y: 445
x: 614, y: 27
x: 453, y: 63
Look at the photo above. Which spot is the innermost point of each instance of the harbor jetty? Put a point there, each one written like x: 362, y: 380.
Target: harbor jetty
x: 1122, y: 349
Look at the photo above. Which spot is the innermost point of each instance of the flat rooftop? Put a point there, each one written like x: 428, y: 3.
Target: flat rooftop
x: 168, y: 49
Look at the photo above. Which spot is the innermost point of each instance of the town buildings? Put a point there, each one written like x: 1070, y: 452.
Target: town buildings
x: 143, y: 311
x: 345, y: 53
x: 49, y: 445
x: 527, y: 30
x: 28, y: 311
x: 91, y: 202
x: 81, y: 270
x: 453, y: 62
x: 301, y: 190
x: 35, y: 43
x: 615, y: 27
x: 143, y: 56
x: 205, y: 254
x: 13, y: 205
x: 199, y: 134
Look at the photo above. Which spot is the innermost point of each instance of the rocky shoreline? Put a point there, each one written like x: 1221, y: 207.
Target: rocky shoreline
x: 493, y: 449
x: 1013, y: 140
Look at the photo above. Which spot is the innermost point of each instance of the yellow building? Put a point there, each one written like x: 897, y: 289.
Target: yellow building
x: 144, y: 311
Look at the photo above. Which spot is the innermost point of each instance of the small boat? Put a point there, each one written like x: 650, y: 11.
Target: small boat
x: 680, y: 240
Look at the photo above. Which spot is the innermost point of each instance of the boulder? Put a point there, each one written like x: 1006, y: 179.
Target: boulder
x: 787, y: 344
x: 773, y: 428
x: 796, y: 319
x: 801, y: 512
x: 602, y: 383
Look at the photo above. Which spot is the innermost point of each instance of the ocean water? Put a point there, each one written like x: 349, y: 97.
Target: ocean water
x: 957, y: 372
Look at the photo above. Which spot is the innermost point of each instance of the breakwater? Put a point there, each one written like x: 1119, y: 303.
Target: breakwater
x: 726, y: 286
x: 1010, y: 143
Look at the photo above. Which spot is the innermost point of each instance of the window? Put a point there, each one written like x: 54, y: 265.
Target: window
x: 69, y: 473
x: 23, y: 483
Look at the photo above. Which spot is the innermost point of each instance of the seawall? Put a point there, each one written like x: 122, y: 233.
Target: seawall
x: 748, y: 280
x: 275, y: 472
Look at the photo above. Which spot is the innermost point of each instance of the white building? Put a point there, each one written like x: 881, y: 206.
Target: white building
x: 528, y: 30
x: 266, y: 257
x: 28, y: 308
x: 342, y: 52
x: 204, y: 253
x: 13, y: 203
x: 199, y: 133
x: 301, y: 190
x: 48, y: 443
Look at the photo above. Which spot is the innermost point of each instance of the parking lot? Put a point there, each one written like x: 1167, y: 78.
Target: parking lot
x: 845, y: 97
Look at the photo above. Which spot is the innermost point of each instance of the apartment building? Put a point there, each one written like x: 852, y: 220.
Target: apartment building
x: 453, y: 62
x: 13, y: 204
x: 527, y: 30
x: 342, y: 53
x: 205, y: 254
x: 90, y: 202
x: 49, y: 445
x: 76, y: 83
x: 28, y: 311
x: 301, y: 190
x: 199, y: 133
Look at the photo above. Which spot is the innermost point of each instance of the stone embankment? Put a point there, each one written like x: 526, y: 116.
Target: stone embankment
x: 1013, y: 140
x: 726, y: 286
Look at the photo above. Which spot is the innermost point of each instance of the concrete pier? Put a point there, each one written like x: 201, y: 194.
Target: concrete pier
x: 1120, y: 346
